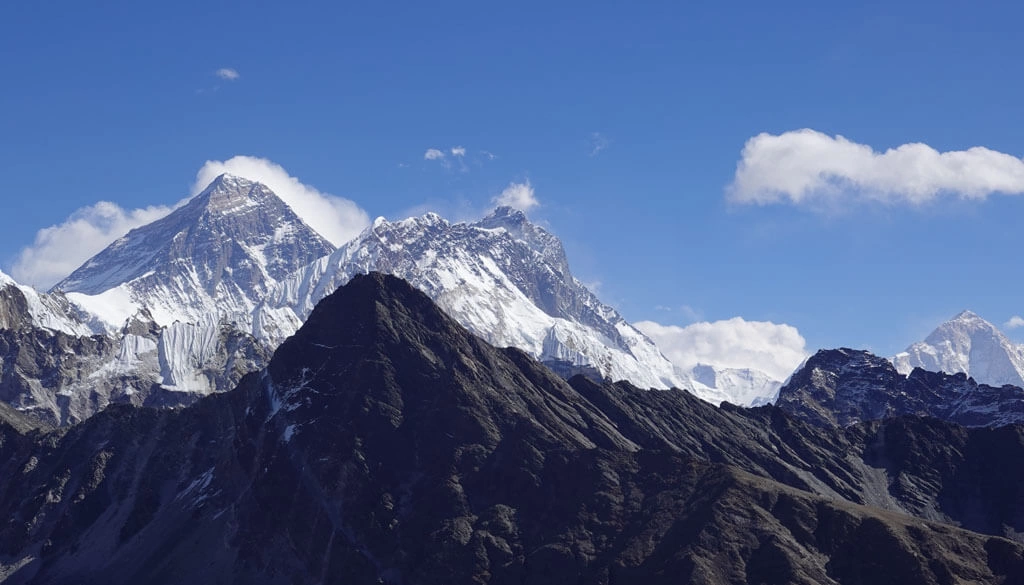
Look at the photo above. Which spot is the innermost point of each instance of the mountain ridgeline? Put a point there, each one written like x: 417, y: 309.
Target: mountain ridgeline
x: 184, y: 306
x: 841, y: 387
x: 385, y: 443
x: 436, y: 402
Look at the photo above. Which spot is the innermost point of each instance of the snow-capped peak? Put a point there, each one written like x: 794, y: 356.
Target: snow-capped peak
x: 969, y: 344
x: 503, y: 278
x: 217, y: 254
x: 507, y: 213
x: 228, y: 193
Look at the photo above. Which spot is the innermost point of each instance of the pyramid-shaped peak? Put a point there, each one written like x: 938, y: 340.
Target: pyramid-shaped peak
x: 228, y: 180
x: 358, y: 306
x: 236, y: 232
x: 966, y: 321
x: 378, y: 345
x: 228, y: 193
x: 967, y: 343
x: 967, y: 315
x: 373, y: 313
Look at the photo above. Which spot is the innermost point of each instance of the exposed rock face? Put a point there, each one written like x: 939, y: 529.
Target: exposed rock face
x: 917, y: 466
x: 845, y: 386
x: 967, y: 344
x: 384, y: 443
x: 60, y: 378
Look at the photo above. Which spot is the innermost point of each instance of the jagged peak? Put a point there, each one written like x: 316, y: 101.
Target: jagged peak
x: 842, y: 354
x: 519, y: 227
x: 509, y: 218
x: 428, y: 219
x: 507, y: 212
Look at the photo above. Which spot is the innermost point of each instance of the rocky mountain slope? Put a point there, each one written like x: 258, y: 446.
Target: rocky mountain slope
x: 844, y: 386
x: 967, y: 344
x: 384, y: 443
x: 57, y: 368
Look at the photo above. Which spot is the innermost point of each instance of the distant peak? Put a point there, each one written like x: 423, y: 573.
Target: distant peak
x: 966, y: 320
x: 427, y: 219
x: 505, y: 211
x: 505, y: 217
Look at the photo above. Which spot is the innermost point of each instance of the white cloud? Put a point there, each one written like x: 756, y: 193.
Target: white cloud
x: 1015, y: 322
x: 517, y: 195
x: 227, y: 74
x: 734, y: 343
x: 806, y: 166
x: 59, y: 249
x: 433, y: 154
x: 458, y: 151
x: 337, y: 219
x: 598, y: 142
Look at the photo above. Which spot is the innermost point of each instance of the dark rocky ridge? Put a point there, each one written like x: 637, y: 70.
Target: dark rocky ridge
x: 845, y: 386
x: 386, y: 444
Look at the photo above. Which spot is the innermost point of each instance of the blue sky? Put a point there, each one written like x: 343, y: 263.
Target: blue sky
x: 628, y: 120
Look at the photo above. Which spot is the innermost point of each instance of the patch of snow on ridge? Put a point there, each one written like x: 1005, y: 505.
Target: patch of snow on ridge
x: 111, y: 308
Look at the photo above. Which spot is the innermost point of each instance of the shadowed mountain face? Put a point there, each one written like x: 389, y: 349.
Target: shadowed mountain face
x: 846, y: 386
x: 384, y: 443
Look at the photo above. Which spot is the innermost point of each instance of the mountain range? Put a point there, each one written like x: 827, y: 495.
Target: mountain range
x: 184, y: 306
x: 438, y: 402
x: 385, y: 443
